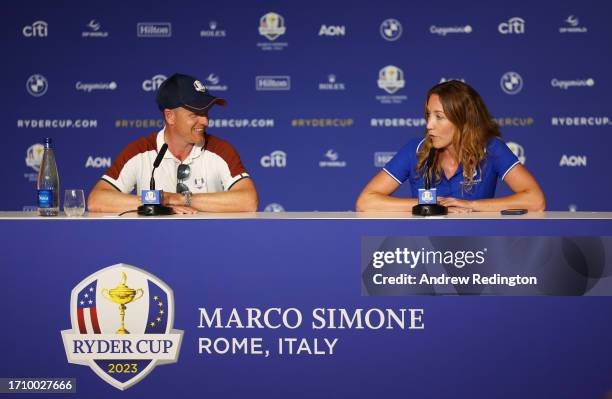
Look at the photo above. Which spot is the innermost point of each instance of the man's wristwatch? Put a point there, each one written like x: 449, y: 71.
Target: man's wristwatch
x: 187, y: 195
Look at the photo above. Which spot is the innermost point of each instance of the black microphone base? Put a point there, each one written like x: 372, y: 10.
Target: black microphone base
x: 154, y: 210
x: 429, y: 210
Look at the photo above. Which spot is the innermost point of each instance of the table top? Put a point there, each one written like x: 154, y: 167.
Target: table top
x: 318, y: 216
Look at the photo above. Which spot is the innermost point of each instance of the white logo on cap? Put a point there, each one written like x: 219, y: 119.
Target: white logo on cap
x: 199, y: 86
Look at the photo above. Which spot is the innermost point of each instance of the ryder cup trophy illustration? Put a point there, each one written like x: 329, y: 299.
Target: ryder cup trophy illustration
x: 122, y: 295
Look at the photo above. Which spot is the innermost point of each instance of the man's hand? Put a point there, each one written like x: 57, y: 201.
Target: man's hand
x: 183, y: 210
x: 173, y: 199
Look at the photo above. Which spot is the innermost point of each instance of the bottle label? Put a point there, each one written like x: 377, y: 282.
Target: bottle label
x: 45, y: 198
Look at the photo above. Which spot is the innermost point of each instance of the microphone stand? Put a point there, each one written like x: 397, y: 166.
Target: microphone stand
x: 155, y: 209
x: 429, y: 209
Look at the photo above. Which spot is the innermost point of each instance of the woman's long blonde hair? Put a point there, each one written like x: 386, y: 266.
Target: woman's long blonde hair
x: 475, y: 126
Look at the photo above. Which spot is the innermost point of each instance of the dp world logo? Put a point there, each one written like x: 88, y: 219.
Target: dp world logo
x: 391, y: 29
x: 122, y: 320
x: 37, y: 85
x: 511, y: 83
x: 272, y: 25
x: 391, y: 79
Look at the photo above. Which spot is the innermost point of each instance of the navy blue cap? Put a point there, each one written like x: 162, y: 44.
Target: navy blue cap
x: 185, y: 91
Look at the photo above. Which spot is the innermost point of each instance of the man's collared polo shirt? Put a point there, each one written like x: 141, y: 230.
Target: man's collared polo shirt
x: 214, y: 166
x: 499, y: 160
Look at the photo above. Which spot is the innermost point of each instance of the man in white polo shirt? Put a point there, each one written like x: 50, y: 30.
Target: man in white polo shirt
x: 199, y: 172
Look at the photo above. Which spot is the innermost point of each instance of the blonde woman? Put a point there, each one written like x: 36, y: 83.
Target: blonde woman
x: 470, y: 158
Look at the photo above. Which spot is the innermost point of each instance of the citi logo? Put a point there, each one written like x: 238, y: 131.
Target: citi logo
x: 153, y: 83
x: 277, y: 159
x: 514, y: 26
x: 37, y: 29
x: 332, y: 30
x: 272, y: 83
x: 573, y: 160
x: 154, y: 29
x: 98, y: 162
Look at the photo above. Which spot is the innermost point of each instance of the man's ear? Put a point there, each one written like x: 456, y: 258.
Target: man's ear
x: 169, y: 116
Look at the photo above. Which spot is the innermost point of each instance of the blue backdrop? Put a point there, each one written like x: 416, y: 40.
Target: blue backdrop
x: 85, y: 74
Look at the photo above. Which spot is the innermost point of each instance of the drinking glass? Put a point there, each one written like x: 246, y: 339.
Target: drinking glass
x: 74, y: 202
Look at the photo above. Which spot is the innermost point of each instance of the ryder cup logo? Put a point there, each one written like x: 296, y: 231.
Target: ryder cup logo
x: 37, y: 85
x: 34, y: 156
x: 511, y: 83
x: 391, y: 29
x: 122, y: 320
x: 271, y: 26
x: 391, y: 79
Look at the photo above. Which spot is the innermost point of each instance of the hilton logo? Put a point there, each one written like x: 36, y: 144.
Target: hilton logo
x: 272, y: 83
x: 154, y: 29
x: 381, y: 158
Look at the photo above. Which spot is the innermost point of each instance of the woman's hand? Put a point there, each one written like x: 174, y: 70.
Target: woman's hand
x: 456, y: 205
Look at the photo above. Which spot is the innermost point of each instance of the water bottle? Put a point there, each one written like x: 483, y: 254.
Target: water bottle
x: 48, y: 183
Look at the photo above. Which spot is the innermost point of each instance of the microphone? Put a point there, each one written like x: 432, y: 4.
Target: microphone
x: 428, y: 200
x: 151, y: 199
x: 160, y: 156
